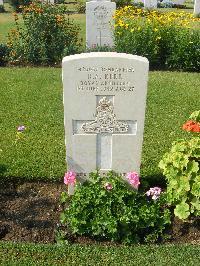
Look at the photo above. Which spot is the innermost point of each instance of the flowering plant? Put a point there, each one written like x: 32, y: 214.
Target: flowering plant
x: 108, y: 186
x: 193, y: 125
x: 133, y: 179
x: 170, y: 37
x: 154, y: 193
x: 43, y: 36
x: 181, y: 166
x: 109, y: 208
x: 70, y: 178
x: 20, y: 130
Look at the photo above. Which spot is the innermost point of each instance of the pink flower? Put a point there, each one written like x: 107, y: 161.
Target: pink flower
x: 21, y: 128
x: 154, y: 192
x: 108, y: 186
x: 70, y: 178
x: 133, y: 178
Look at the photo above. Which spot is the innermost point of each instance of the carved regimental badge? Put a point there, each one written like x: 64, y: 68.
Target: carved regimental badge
x: 105, y: 120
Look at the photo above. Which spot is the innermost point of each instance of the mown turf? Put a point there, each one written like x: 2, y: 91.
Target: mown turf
x: 7, y: 22
x: 33, y: 97
x: 30, y: 254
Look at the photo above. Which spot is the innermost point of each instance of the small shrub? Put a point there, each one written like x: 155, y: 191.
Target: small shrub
x: 184, y: 51
x: 181, y: 166
x: 81, y: 7
x: 45, y: 37
x: 107, y: 208
x: 122, y: 3
x: 4, y: 50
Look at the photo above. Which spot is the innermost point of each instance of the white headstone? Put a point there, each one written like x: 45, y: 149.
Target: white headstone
x: 150, y: 3
x: 1, y: 2
x: 138, y: 1
x: 99, y: 23
x: 179, y: 2
x: 104, y: 110
x: 197, y: 7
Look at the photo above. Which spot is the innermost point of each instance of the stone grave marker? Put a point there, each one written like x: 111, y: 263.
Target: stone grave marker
x: 179, y: 2
x: 150, y: 3
x: 1, y: 2
x: 98, y: 23
x: 197, y: 7
x: 104, y: 108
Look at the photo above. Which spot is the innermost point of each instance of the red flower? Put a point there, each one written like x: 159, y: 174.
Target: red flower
x: 191, y: 126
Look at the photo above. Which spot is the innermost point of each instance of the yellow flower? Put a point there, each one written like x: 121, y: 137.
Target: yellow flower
x: 158, y: 38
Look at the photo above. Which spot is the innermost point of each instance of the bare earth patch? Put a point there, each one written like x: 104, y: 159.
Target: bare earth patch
x: 30, y: 212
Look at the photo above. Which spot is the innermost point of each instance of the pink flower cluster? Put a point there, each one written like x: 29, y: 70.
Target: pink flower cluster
x: 133, y: 179
x: 108, y: 186
x: 70, y: 178
x: 154, y: 192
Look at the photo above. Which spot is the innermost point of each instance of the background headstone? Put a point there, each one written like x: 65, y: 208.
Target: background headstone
x: 197, y: 7
x: 104, y: 110
x: 179, y: 2
x: 98, y: 23
x: 1, y: 2
x: 150, y: 3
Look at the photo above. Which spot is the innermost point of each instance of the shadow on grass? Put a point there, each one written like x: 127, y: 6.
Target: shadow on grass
x: 3, y: 169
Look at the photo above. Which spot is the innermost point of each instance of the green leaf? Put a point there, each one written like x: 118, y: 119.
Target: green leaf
x: 196, y: 203
x: 63, y: 197
x: 192, y: 167
x: 182, y: 210
x: 195, y: 116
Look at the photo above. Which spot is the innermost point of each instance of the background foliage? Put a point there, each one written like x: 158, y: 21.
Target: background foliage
x: 45, y: 37
x: 169, y: 40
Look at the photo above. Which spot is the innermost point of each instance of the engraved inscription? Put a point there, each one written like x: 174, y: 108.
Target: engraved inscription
x: 105, y: 120
x: 105, y: 79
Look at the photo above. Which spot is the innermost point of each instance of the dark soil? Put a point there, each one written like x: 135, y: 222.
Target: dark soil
x: 30, y: 212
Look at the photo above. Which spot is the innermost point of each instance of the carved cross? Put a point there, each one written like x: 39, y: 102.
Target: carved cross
x: 105, y: 124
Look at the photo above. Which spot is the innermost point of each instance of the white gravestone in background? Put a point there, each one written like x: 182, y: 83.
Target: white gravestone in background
x: 1, y: 2
x: 98, y: 23
x: 197, y: 7
x: 104, y: 110
x: 150, y: 3
x: 179, y: 2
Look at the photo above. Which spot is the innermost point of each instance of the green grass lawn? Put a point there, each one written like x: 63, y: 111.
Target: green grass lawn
x: 78, y: 255
x: 33, y: 97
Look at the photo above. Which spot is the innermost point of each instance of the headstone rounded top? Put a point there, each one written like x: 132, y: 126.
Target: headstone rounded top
x: 104, y: 55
